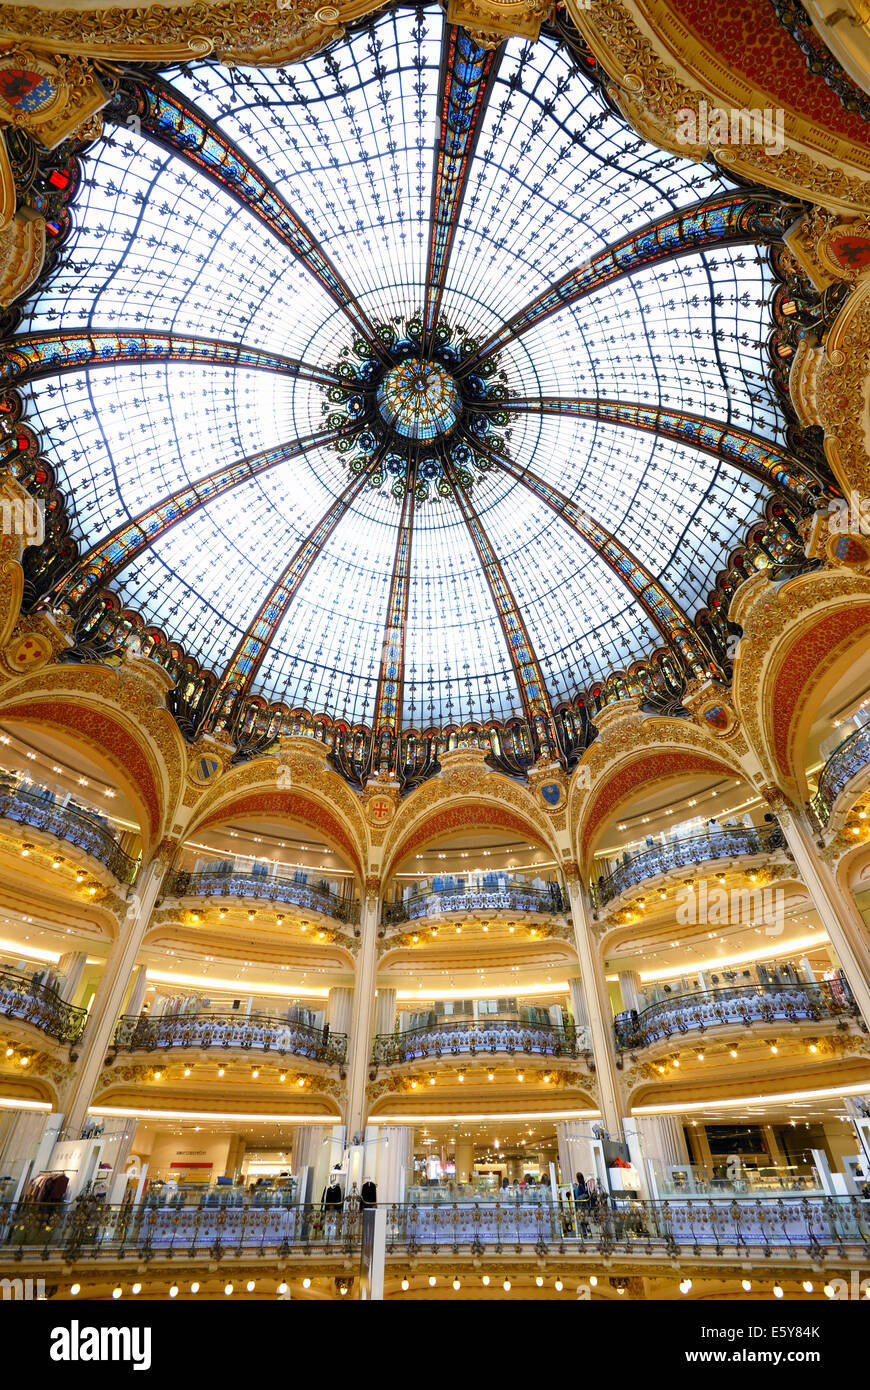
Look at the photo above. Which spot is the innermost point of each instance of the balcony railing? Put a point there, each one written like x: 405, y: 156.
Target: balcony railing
x: 41, y: 1006
x: 70, y: 824
x: 510, y: 896
x: 267, y: 889
x: 725, y: 843
x: 744, y: 1004
x: 852, y: 755
x: 446, y: 1039
x: 258, y: 1031
x: 818, y: 1227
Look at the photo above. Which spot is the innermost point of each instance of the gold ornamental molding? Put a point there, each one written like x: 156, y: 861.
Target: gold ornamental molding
x: 659, y: 70
x: 830, y: 385
x: 798, y: 639
x: 264, y: 33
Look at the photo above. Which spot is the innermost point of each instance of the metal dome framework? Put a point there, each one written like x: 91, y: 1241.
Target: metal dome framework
x: 260, y: 255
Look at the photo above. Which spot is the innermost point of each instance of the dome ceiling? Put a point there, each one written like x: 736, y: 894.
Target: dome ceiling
x: 344, y: 366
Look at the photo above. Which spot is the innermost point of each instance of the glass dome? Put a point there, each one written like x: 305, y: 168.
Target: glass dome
x: 333, y: 417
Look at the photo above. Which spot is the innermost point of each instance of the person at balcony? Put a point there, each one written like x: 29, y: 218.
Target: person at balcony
x: 581, y: 1203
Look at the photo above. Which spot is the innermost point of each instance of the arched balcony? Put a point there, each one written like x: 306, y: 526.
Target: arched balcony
x: 260, y: 1032
x: 850, y: 758
x: 77, y: 826
x: 270, y: 888
x: 505, y: 895
x: 743, y: 1006
x: 725, y: 842
x: 472, y: 1038
x: 24, y: 998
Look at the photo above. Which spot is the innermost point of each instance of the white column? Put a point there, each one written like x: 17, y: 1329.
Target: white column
x: 837, y: 909
x: 320, y: 1149
x: 71, y: 967
x: 597, y: 1011
x: 339, y: 1006
x: 629, y: 984
x: 387, y: 1158
x: 662, y: 1137
x: 578, y: 1003
x: 21, y: 1132
x: 574, y: 1138
x: 463, y: 1153
x: 385, y: 1010
x: 362, y: 1017
x: 110, y: 994
x: 137, y: 991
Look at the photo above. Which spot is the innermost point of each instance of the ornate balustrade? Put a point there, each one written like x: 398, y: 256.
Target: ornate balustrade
x: 449, y: 1039
x: 41, y: 1006
x: 257, y: 1031
x: 265, y: 889
x: 745, y: 1004
x: 817, y: 1227
x: 850, y: 757
x: 726, y: 843
x: 75, y: 826
x: 518, y: 897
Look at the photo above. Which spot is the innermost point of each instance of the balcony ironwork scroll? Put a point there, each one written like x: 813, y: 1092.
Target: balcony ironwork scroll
x: 256, y: 1031
x: 75, y: 826
x: 31, y: 1002
x: 744, y: 1004
x: 265, y: 888
x: 726, y: 842
x: 453, y: 1039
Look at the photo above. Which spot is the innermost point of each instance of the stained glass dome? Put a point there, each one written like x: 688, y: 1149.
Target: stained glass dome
x: 407, y: 384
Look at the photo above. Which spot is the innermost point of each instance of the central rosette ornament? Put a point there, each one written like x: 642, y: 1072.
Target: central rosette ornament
x: 419, y: 399
x: 413, y: 415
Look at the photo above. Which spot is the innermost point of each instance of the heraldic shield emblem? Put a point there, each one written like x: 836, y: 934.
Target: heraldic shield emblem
x: 552, y: 793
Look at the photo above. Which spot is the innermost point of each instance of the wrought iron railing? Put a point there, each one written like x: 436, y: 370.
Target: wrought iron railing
x: 724, y: 843
x: 214, y: 884
x: 520, y: 897
x: 535, y: 1039
x: 40, y: 1005
x: 743, y: 1004
x: 852, y: 755
x: 258, y: 1031
x: 820, y: 1228
x: 70, y: 824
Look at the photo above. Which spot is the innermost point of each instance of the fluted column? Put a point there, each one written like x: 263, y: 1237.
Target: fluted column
x: 662, y: 1137
x: 629, y: 984
x: 836, y: 908
x: 388, y: 1150
x: 362, y: 1014
x: 71, y: 967
x: 339, y: 1007
x: 110, y: 993
x: 463, y: 1153
x: 136, y: 997
x: 574, y: 1138
x: 598, y: 1013
x: 578, y: 1003
x: 385, y: 1011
